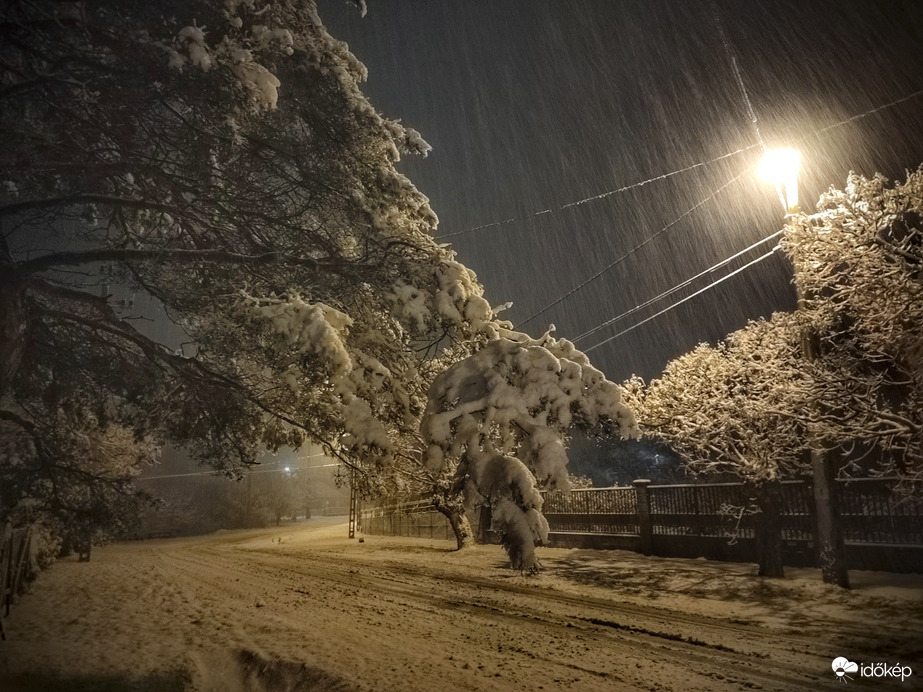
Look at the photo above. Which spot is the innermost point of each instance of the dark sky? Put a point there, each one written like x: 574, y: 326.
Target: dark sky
x: 532, y: 105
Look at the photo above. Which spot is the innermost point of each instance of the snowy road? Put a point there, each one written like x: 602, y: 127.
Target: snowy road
x: 301, y: 607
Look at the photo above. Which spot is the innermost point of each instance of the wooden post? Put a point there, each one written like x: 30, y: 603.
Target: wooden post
x: 645, y: 528
x: 353, y: 504
x: 828, y: 541
x: 6, y: 593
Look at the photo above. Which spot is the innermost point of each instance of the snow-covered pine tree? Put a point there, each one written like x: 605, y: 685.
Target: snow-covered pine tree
x: 499, y: 421
x: 220, y: 159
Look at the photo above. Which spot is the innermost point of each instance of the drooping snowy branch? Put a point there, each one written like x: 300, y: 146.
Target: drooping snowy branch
x: 501, y: 418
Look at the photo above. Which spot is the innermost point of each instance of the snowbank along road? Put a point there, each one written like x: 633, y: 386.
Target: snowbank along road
x: 303, y: 608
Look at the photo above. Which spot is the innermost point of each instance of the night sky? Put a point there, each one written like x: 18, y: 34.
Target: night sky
x: 534, y: 105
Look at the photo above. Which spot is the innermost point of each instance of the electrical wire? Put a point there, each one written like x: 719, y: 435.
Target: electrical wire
x: 687, y: 298
x: 701, y: 164
x: 603, y: 195
x: 813, y: 134
x: 634, y: 249
x: 677, y: 287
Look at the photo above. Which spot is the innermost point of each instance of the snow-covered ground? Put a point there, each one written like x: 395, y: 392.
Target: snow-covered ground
x: 301, y: 607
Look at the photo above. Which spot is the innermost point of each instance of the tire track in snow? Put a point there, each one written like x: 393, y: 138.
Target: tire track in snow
x: 645, y: 638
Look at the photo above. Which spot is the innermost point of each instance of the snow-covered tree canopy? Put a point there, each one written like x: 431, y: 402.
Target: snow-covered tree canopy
x: 859, y: 265
x: 219, y: 157
x: 844, y: 372
x: 500, y: 419
x: 733, y: 408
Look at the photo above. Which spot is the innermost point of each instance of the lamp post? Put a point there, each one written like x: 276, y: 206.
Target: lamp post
x: 780, y: 167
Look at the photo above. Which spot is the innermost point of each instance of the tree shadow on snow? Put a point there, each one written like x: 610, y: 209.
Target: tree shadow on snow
x: 171, y: 681
x: 275, y: 675
x: 245, y: 671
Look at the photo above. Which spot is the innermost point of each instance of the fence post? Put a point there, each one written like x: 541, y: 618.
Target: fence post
x: 645, y: 528
x: 829, y: 540
x: 6, y: 550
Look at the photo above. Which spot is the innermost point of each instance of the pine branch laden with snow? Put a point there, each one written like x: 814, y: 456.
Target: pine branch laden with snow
x: 352, y: 385
x: 188, y: 155
x: 501, y: 417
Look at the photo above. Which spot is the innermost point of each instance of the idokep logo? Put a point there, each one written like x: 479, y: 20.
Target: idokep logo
x: 842, y: 667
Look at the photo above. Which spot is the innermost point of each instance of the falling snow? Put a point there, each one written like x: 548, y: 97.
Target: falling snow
x: 532, y: 107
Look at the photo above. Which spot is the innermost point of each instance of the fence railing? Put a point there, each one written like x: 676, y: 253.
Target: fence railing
x: 15, y: 568
x: 880, y: 527
x: 416, y: 519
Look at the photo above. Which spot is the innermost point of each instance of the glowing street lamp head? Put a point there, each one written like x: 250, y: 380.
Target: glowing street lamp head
x: 780, y: 167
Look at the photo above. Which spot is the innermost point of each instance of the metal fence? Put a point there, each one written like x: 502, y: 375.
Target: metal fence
x: 881, y: 523
x: 415, y: 519
x: 16, y: 568
x: 593, y: 510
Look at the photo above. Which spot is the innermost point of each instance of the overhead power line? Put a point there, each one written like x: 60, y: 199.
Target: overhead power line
x: 603, y: 195
x: 813, y: 134
x: 634, y: 249
x: 687, y: 298
x: 694, y: 166
x: 677, y: 287
x: 293, y: 467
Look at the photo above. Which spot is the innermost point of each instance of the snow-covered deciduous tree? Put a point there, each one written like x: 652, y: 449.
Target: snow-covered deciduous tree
x: 843, y: 374
x: 844, y: 371
x: 499, y: 420
x: 734, y: 408
x: 859, y: 266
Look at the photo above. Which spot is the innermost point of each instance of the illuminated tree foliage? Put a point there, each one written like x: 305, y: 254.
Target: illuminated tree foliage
x: 500, y: 420
x: 218, y: 158
x: 844, y: 373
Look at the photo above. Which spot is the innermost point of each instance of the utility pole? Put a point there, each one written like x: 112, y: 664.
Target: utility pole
x: 781, y: 168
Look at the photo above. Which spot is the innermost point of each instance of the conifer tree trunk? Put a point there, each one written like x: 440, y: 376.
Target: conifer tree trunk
x: 458, y: 520
x: 12, y: 327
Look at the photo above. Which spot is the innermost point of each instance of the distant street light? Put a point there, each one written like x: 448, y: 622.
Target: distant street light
x: 780, y: 167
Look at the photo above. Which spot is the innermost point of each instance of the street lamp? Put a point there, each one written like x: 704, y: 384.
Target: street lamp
x: 780, y: 167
